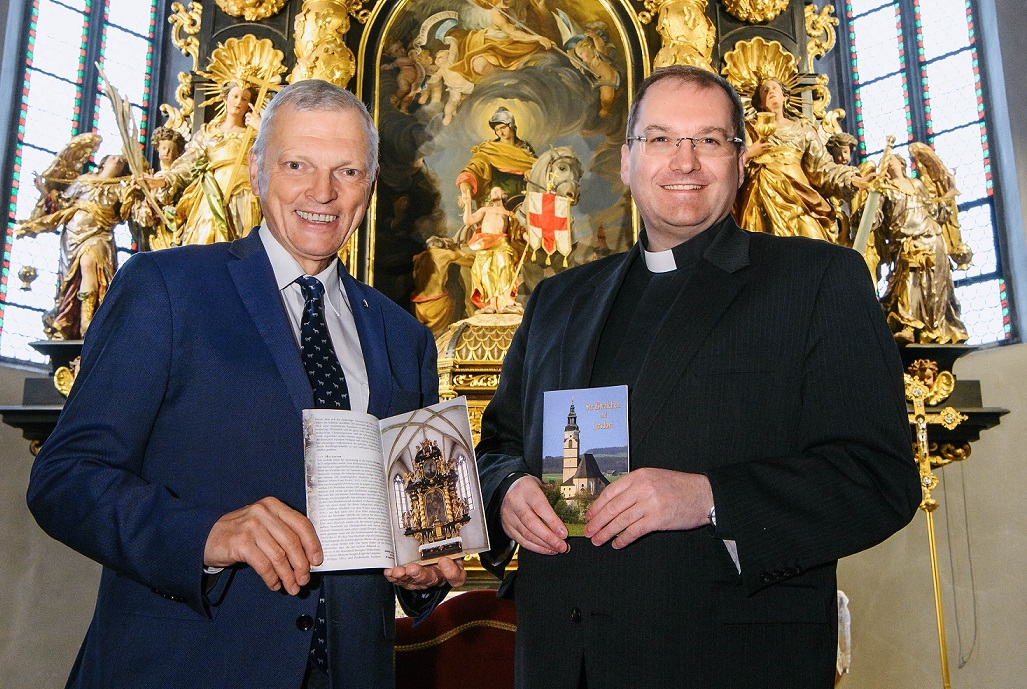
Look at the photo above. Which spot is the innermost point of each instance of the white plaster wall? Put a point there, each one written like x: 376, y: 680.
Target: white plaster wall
x: 48, y: 590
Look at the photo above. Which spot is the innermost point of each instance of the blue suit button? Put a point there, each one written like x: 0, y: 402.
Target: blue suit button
x: 305, y: 623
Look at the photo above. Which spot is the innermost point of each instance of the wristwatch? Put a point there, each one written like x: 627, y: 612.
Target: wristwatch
x: 712, y: 516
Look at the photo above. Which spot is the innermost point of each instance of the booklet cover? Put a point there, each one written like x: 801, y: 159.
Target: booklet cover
x: 392, y: 492
x: 584, y: 447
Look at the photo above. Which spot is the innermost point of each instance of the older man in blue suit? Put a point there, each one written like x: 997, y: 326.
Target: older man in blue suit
x: 178, y: 459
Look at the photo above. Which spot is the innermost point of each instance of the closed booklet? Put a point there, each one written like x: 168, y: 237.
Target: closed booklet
x: 584, y: 447
x: 401, y: 490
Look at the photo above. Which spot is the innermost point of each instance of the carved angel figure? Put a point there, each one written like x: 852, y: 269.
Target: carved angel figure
x: 917, y: 233
x: 84, y: 210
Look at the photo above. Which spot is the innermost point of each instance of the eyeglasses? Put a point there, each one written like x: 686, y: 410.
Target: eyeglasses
x: 709, y: 146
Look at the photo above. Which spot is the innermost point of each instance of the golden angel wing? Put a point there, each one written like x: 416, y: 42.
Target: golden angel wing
x: 933, y: 172
x: 58, y: 176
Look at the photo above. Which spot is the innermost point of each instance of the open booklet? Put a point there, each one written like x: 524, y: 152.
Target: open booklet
x: 392, y: 492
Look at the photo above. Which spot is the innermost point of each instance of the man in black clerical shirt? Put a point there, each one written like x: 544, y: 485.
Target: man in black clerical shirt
x: 767, y: 424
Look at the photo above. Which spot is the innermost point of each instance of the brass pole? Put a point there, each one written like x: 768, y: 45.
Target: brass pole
x: 917, y: 392
x: 937, y: 598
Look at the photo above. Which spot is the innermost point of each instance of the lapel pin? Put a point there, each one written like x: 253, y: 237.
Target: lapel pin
x: 364, y: 302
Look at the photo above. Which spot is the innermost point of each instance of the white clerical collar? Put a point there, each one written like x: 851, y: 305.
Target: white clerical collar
x: 660, y: 261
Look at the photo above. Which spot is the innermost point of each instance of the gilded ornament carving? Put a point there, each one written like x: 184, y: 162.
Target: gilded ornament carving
x: 949, y: 453
x: 820, y: 29
x: 754, y: 11
x: 939, y: 385
x: 688, y: 34
x: 752, y: 62
x: 251, y: 10
x: 186, y: 21
x: 319, y: 36
x: 246, y: 60
x: 469, y: 380
x: 64, y: 376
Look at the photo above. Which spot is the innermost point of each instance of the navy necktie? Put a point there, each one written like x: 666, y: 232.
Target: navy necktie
x: 328, y: 383
x: 327, y: 380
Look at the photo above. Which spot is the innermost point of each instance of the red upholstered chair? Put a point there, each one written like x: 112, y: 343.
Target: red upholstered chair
x: 466, y: 639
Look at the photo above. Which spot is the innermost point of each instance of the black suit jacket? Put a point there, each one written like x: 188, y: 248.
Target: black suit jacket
x: 775, y: 375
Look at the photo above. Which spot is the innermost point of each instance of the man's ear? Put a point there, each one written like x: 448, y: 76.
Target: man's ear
x: 254, y: 175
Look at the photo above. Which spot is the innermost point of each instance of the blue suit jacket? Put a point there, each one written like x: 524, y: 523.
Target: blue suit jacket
x: 188, y: 406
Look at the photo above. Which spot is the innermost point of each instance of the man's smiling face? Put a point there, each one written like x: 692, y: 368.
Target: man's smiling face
x: 316, y: 183
x: 681, y: 195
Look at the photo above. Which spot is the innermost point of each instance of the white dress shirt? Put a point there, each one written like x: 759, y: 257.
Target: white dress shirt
x: 338, y: 313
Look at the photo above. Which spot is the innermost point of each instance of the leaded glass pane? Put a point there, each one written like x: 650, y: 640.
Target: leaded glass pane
x: 50, y: 112
x: 962, y: 152
x: 877, y: 47
x: 883, y: 112
x: 944, y: 26
x: 41, y: 253
x: 123, y: 241
x: 952, y: 88
x: 978, y: 233
x: 125, y: 64
x: 983, y: 311
x: 21, y: 326
x: 33, y: 161
x: 107, y: 127
x: 134, y: 15
x: 58, y: 44
x: 858, y: 7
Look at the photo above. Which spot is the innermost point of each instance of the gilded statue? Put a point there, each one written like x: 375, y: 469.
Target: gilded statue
x: 754, y: 11
x: 789, y: 173
x: 148, y: 230
x: 688, y: 34
x: 251, y: 10
x: 217, y: 204
x: 917, y: 235
x: 84, y: 210
x: 319, y: 39
x: 495, y: 269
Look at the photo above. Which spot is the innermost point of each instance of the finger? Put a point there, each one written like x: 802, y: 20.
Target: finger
x: 528, y: 528
x: 294, y: 542
x: 453, y: 571
x: 616, y: 526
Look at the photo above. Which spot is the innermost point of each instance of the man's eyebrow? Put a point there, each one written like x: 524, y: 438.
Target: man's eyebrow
x: 699, y: 131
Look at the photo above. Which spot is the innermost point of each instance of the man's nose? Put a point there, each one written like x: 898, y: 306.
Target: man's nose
x: 685, y: 157
x: 322, y: 187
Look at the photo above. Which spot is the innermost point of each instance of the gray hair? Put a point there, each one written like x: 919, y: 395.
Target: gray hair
x: 313, y: 95
x: 686, y: 74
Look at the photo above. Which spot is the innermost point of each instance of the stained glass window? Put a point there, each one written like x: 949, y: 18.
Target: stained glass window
x: 56, y: 104
x: 934, y: 96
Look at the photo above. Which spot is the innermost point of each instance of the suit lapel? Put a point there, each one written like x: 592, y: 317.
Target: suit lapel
x: 255, y: 281
x: 592, y: 304
x: 369, y: 319
x: 704, y: 299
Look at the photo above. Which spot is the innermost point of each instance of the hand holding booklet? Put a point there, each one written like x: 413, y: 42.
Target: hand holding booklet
x: 385, y: 493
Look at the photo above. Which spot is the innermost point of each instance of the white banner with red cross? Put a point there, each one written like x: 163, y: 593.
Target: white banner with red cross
x: 549, y: 222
